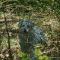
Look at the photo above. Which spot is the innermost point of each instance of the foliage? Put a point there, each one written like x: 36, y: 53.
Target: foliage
x: 40, y: 56
x: 44, y: 13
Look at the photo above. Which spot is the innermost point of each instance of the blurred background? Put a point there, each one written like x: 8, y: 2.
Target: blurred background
x: 44, y: 13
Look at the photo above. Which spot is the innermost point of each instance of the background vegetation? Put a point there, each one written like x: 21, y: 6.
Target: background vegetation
x: 44, y: 13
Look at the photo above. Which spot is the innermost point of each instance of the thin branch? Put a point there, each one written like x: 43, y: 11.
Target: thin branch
x: 10, y: 54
